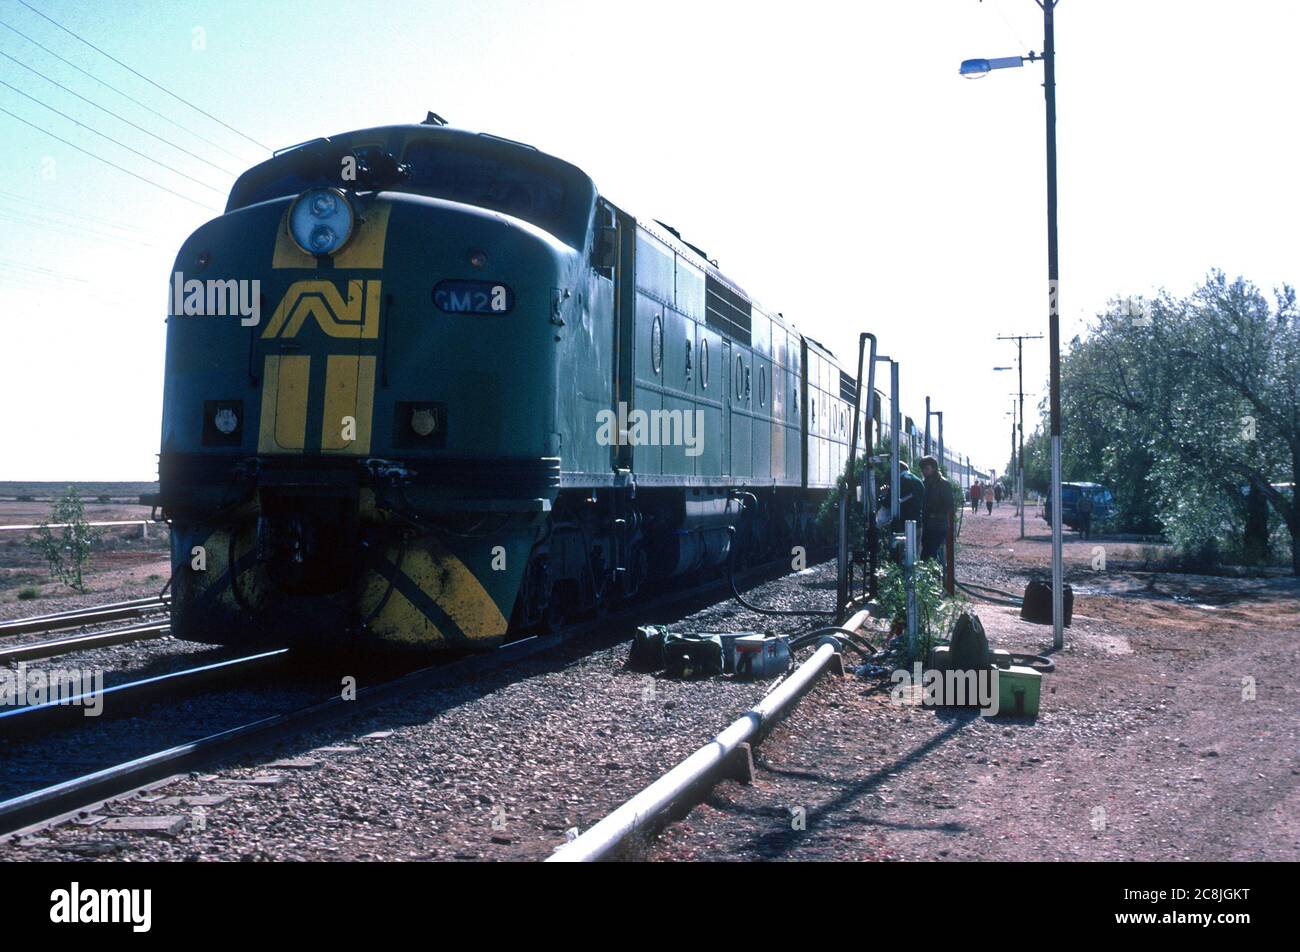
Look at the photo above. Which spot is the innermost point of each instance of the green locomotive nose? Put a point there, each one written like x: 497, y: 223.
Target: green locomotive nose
x: 339, y: 451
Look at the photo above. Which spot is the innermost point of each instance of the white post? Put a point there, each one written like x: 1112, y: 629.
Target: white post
x: 909, y: 581
x: 1058, y: 567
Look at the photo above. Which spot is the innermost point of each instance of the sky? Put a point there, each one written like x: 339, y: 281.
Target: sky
x: 828, y: 155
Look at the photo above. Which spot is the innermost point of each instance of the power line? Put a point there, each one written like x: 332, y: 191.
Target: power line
x: 144, y: 77
x: 73, y: 92
x: 77, y: 215
x: 43, y: 272
x: 124, y: 95
x: 103, y: 135
x: 22, y: 217
x: 97, y: 158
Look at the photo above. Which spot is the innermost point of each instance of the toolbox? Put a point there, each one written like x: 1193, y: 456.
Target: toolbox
x: 1019, y: 691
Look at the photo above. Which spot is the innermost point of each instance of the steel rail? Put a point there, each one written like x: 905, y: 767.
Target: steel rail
x: 40, y: 808
x: 695, y: 775
x: 95, y: 639
x: 45, y: 805
x: 126, y: 698
x: 77, y: 617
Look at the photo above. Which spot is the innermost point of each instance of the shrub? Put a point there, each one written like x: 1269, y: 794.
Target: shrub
x: 936, y: 613
x: 68, y: 552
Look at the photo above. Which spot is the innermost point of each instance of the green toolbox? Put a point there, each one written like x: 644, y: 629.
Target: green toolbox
x: 1019, y: 690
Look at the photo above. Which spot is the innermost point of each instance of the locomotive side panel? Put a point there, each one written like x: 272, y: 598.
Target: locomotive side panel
x: 761, y: 399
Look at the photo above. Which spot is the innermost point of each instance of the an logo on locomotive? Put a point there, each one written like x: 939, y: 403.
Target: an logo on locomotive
x: 322, y: 301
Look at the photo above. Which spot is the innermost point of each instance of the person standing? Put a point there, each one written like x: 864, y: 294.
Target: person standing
x: 911, y: 497
x: 1084, y: 508
x: 997, y: 492
x: 975, y: 497
x: 988, y: 498
x: 939, y: 510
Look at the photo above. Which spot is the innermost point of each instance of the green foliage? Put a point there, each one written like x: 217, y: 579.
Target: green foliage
x: 68, y: 552
x: 936, y: 613
x: 1188, y: 409
x: 28, y: 593
x: 826, y: 514
x: 827, y: 518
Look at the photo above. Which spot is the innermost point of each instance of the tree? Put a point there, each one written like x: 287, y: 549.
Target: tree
x: 67, y: 553
x: 1189, y: 410
x: 1235, y: 413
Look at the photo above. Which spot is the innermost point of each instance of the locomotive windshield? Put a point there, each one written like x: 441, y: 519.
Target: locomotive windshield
x: 528, y: 193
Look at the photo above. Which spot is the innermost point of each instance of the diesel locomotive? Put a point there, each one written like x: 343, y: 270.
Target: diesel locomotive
x: 459, y: 393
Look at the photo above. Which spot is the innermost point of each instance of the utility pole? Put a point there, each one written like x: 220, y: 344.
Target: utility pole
x: 974, y: 69
x: 1054, y: 321
x: 1020, y: 457
x: 927, y: 426
x: 943, y: 463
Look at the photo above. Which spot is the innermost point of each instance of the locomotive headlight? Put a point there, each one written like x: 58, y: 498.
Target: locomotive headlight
x: 225, y: 420
x: 321, y: 221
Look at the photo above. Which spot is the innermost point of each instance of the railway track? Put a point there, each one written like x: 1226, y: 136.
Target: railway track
x: 95, y: 639
x: 51, y: 804
x: 82, y: 617
x: 120, y: 700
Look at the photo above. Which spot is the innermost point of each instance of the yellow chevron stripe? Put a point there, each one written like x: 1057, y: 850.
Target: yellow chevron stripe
x: 400, y: 621
x: 349, y: 392
x: 283, y: 425
x: 455, y: 588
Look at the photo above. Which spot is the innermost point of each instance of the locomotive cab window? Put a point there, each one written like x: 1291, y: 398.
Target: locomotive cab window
x: 528, y: 193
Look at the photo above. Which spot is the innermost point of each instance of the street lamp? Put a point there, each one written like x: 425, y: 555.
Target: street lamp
x: 979, y: 68
x: 974, y: 69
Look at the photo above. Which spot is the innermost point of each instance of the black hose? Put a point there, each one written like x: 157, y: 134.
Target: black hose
x: 990, y: 588
x: 1013, y: 602
x: 802, y: 641
x: 731, y: 580
x: 1039, y: 663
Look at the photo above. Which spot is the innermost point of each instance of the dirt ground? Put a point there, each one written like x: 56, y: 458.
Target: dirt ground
x: 1168, y: 732
x: 1149, y: 744
x: 122, y: 565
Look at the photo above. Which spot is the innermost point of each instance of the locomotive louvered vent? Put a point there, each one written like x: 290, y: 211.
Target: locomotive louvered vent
x: 727, y: 312
x: 848, y: 387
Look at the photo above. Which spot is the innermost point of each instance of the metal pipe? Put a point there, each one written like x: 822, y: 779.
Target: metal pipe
x: 842, y: 554
x: 869, y: 498
x: 943, y: 460
x: 909, y: 582
x: 842, y: 587
x: 895, y: 425
x: 698, y: 771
